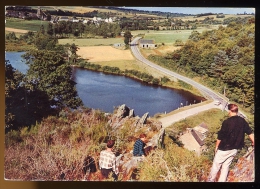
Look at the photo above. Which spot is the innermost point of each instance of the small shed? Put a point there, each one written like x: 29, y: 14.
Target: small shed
x: 117, y: 45
x: 147, y: 43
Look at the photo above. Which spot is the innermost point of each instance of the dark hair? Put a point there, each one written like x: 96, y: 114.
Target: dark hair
x: 233, y: 108
x: 110, y: 143
x: 142, y: 135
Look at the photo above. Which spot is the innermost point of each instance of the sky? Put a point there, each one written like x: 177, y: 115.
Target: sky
x: 197, y: 10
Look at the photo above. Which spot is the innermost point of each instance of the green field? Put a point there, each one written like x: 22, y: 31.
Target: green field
x: 92, y: 42
x: 168, y: 37
x: 32, y: 25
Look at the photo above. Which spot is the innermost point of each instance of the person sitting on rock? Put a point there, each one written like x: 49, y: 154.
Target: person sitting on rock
x: 139, y: 146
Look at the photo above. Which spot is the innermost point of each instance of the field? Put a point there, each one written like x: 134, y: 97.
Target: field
x: 104, y: 53
x: 109, y: 56
x: 32, y: 25
x: 92, y: 42
x: 169, y: 37
x: 17, y: 32
x: 161, y: 50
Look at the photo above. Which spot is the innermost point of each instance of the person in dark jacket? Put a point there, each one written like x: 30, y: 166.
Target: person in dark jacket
x: 230, y: 139
x: 139, y: 146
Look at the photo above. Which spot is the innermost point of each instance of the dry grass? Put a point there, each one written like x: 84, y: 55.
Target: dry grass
x: 161, y: 50
x: 109, y: 56
x: 104, y: 53
x: 56, y: 148
x: 81, y: 9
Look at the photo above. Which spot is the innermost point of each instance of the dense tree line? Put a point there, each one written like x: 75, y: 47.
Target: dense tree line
x: 77, y: 29
x: 225, y: 56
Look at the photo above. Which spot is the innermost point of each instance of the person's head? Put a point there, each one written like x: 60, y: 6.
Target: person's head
x: 233, y: 108
x: 142, y: 136
x: 110, y: 143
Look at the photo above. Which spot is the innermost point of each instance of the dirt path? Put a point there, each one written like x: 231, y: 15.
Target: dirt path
x: 169, y: 120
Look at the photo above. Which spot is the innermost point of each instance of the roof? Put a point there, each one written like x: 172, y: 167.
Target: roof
x: 200, y: 129
x: 204, y: 125
x: 64, y: 17
x: 146, y: 41
x: 197, y: 138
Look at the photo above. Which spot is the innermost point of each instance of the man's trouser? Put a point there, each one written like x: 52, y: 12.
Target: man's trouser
x: 222, y: 159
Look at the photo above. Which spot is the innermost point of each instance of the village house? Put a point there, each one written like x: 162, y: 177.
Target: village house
x: 108, y: 20
x: 193, y: 139
x: 122, y: 33
x: 147, y: 43
x: 63, y: 18
x: 118, y: 45
x: 86, y: 21
x: 97, y: 20
x: 75, y: 20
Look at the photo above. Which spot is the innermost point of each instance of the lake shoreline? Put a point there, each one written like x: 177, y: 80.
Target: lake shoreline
x: 201, y: 98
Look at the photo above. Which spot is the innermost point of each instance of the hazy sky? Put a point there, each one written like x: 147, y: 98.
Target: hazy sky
x: 197, y: 10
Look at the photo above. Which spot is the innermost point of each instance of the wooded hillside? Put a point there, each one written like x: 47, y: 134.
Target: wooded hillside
x: 223, y: 58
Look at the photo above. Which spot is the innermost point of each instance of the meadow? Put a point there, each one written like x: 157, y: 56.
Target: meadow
x: 168, y: 37
x: 32, y: 25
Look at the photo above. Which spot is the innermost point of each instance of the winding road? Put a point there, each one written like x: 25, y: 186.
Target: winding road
x: 208, y: 93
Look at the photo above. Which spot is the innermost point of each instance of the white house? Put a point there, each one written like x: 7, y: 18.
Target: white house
x: 147, y: 43
x: 108, y: 20
x: 75, y: 20
x: 85, y: 21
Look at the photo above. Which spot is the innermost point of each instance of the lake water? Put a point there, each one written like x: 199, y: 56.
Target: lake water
x: 105, y: 91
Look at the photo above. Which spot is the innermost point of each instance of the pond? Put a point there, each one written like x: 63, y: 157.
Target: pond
x: 105, y: 91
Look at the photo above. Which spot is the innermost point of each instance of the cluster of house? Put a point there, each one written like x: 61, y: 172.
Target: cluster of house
x: 143, y: 43
x: 55, y: 19
x: 24, y: 14
x: 95, y: 20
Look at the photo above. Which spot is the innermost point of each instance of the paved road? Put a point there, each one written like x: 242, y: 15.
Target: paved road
x: 169, y: 120
x: 208, y: 93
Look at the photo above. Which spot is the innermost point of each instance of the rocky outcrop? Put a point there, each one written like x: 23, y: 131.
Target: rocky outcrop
x: 244, y: 170
x: 123, y: 114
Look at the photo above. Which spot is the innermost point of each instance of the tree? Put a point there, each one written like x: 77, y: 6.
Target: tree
x: 11, y: 36
x: 50, y: 29
x: 220, y: 60
x: 233, y: 57
x: 127, y: 37
x: 11, y: 85
x: 72, y: 52
x: 24, y: 104
x: 51, y: 74
x: 195, y: 36
x: 42, y: 30
x: 178, y: 42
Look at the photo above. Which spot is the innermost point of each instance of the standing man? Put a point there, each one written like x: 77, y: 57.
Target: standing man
x: 230, y: 139
x: 107, y: 161
x: 139, y: 146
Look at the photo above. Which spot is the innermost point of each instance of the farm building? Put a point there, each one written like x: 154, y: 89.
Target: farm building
x: 64, y: 18
x: 118, y: 45
x: 194, y: 138
x: 147, y: 43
